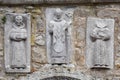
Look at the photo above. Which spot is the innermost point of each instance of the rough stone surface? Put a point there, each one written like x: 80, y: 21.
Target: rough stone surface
x: 58, y: 70
x: 55, y: 1
x: 39, y: 54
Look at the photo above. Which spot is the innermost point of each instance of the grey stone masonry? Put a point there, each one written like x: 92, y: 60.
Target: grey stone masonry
x: 54, y: 1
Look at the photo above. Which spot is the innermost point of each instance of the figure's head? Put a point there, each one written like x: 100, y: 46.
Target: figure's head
x: 18, y: 19
x: 58, y: 13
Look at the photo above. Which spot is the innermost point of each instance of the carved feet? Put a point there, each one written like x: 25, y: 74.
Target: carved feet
x: 18, y: 67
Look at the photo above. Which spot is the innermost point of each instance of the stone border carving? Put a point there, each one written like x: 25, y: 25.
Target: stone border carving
x: 55, y: 1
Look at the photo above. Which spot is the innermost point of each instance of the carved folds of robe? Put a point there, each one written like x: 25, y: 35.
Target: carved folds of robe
x: 18, y: 36
x: 58, y: 32
x: 100, y: 56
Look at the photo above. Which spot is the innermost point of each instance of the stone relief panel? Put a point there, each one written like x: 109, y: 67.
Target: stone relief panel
x: 58, y: 33
x: 100, y: 43
x: 17, y: 42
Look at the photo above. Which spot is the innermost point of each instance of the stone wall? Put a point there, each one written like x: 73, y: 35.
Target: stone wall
x: 78, y: 70
x: 56, y: 1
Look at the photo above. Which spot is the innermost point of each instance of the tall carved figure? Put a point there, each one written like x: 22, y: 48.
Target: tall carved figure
x: 18, y: 36
x: 58, y: 37
x: 17, y: 43
x: 100, y: 43
x: 99, y: 36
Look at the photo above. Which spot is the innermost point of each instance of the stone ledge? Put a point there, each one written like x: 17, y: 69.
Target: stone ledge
x: 56, y: 1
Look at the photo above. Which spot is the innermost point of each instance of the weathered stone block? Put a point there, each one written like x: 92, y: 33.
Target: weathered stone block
x: 17, y: 46
x: 100, y: 43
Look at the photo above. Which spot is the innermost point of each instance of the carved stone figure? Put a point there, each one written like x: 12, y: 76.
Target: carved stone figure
x: 17, y: 43
x: 58, y: 31
x: 18, y: 36
x: 100, y: 37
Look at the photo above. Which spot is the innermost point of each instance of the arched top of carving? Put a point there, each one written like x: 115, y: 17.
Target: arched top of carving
x: 60, y: 78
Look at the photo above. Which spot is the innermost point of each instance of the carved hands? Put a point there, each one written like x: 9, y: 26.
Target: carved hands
x: 18, y: 36
x: 100, y: 34
x: 21, y: 37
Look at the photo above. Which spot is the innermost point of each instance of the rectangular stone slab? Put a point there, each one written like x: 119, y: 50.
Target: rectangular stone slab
x: 17, y: 47
x: 58, y: 35
x: 100, y: 43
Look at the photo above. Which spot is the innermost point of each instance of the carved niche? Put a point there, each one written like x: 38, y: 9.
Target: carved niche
x: 58, y: 33
x: 17, y: 43
x: 100, y: 43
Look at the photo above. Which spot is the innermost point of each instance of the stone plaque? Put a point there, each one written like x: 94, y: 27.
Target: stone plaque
x: 58, y: 33
x: 17, y: 46
x: 100, y: 43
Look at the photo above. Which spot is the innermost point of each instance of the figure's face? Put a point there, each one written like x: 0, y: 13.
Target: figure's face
x: 58, y: 14
x: 18, y: 19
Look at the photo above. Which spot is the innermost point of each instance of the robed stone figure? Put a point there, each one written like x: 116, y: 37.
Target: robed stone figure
x: 18, y: 36
x: 100, y: 35
x: 58, y: 31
